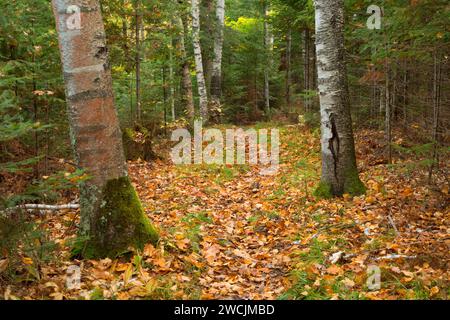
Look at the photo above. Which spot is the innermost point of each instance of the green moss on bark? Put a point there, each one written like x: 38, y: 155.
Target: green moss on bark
x: 324, y: 191
x: 118, y: 224
x: 353, y: 185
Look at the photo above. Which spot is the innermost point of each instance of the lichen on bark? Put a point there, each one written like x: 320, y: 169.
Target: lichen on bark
x: 118, y: 224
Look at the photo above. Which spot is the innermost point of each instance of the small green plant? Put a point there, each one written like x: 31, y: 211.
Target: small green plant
x: 194, y: 221
x: 26, y: 246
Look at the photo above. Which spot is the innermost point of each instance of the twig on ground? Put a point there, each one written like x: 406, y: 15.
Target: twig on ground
x: 41, y: 207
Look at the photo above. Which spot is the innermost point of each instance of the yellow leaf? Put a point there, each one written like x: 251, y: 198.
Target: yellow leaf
x: 370, y: 199
x: 121, y: 267
x: 434, y: 291
x: 128, y: 274
x: 335, y: 270
x: 183, y: 243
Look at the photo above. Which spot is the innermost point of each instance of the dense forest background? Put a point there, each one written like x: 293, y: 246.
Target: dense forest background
x: 398, y: 82
x: 408, y: 57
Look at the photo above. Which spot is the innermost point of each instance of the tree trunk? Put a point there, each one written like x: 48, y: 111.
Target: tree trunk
x: 112, y: 218
x: 202, y: 91
x: 187, y: 99
x: 164, y: 88
x: 306, y: 68
x: 208, y: 23
x: 267, y: 44
x: 125, y: 43
x: 171, y: 84
x: 437, y: 78
x: 288, y: 70
x: 138, y: 17
x: 388, y: 128
x: 405, y: 94
x: 339, y: 170
x: 216, y: 78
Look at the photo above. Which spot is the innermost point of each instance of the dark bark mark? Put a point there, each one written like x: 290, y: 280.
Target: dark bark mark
x: 102, y: 53
x: 334, y: 145
x: 89, y: 95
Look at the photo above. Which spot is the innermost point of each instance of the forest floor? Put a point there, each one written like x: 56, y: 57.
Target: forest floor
x: 230, y: 233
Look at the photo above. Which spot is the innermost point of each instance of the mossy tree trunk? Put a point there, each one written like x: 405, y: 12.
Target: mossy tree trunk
x: 112, y: 218
x: 339, y: 170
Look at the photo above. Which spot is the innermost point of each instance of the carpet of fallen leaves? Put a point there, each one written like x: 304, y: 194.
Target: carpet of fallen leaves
x: 230, y: 233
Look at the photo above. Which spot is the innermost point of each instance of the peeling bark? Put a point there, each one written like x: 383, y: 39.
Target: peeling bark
x: 96, y: 135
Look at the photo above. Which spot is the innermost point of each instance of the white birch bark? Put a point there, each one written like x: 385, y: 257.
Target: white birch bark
x: 107, y: 228
x: 216, y: 80
x: 339, y: 171
x: 201, y: 83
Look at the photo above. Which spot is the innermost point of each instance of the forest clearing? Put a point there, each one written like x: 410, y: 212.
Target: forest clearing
x: 224, y: 150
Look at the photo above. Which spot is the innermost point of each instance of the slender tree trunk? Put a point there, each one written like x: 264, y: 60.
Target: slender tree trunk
x: 35, y: 105
x: 288, y: 69
x: 201, y: 84
x: 164, y: 87
x: 187, y: 99
x: 436, y: 113
x: 306, y: 69
x: 339, y: 170
x: 216, y: 78
x: 388, y: 128
x: 138, y: 18
x: 171, y: 84
x: 125, y: 43
x: 208, y: 48
x: 112, y: 218
x: 405, y: 94
x: 267, y: 43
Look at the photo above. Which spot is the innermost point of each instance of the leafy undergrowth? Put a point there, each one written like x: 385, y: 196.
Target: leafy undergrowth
x: 231, y: 233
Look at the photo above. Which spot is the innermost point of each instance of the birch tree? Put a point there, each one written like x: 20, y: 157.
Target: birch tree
x: 112, y: 218
x: 216, y: 78
x: 201, y: 83
x: 267, y: 44
x: 339, y: 170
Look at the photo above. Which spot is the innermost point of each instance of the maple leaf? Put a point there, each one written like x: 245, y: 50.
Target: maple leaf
x: 335, y: 270
x: 183, y: 244
x: 210, y: 253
